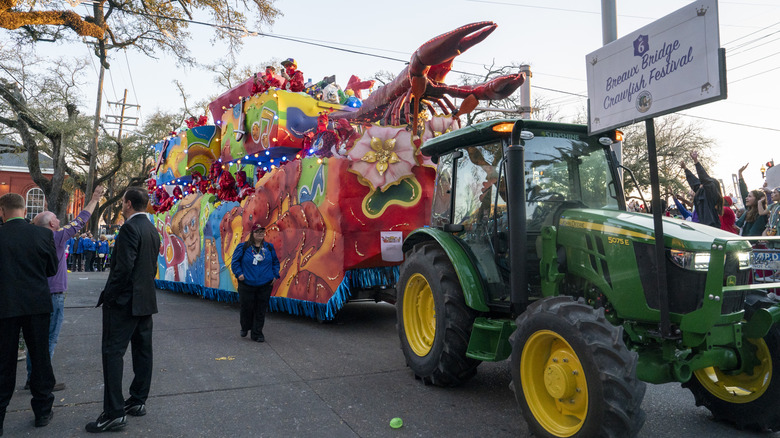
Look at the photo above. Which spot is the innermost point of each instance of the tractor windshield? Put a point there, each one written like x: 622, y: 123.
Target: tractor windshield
x: 563, y: 167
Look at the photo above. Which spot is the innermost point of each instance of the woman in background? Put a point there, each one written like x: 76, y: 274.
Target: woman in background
x: 256, y: 267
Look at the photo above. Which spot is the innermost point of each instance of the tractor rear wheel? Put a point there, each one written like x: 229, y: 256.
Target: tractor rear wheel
x: 434, y: 323
x: 572, y: 374
x: 749, y: 401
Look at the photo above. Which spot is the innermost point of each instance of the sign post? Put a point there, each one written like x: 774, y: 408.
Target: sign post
x: 671, y: 64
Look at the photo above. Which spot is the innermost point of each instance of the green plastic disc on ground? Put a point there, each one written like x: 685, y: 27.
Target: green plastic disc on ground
x: 396, y: 423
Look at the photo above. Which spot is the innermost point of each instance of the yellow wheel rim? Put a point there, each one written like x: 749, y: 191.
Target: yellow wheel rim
x: 740, y: 388
x: 554, y: 383
x: 419, y: 315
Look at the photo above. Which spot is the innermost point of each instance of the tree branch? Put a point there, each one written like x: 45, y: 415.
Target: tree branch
x: 13, y: 20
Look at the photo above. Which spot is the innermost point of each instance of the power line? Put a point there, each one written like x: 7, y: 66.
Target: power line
x: 132, y: 83
x: 553, y: 9
x: 751, y: 33
x: 358, y: 52
x: 757, y: 74
x: 730, y: 122
x: 739, y: 52
x: 754, y: 61
x: 755, y: 40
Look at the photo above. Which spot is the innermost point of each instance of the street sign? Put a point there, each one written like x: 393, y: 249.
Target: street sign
x: 765, y: 260
x: 670, y: 64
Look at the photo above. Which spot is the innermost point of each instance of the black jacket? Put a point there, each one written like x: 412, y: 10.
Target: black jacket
x: 27, y: 259
x: 706, y: 196
x: 133, y: 267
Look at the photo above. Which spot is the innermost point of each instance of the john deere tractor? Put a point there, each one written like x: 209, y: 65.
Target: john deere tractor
x: 532, y: 255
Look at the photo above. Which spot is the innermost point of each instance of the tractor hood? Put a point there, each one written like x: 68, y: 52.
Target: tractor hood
x: 678, y: 234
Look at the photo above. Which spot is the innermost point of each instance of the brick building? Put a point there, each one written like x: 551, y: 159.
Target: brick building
x: 15, y: 178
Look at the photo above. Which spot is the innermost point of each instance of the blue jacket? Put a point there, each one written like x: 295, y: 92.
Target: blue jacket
x: 255, y: 274
x: 681, y: 208
x: 102, y: 247
x: 78, y: 246
x: 69, y: 244
x: 89, y: 244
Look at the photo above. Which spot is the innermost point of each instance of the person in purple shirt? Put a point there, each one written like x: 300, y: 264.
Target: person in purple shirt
x: 58, y: 283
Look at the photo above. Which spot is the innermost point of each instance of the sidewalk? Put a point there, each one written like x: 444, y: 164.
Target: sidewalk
x: 341, y: 379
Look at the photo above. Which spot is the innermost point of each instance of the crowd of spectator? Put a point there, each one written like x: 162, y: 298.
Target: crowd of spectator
x: 87, y: 254
x: 758, y: 215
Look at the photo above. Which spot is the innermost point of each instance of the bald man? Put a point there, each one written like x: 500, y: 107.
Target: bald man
x: 58, y: 283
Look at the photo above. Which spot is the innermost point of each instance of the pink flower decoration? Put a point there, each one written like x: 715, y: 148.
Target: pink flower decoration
x: 435, y: 127
x: 383, y: 156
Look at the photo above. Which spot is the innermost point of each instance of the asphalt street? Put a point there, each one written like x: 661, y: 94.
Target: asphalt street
x: 345, y: 378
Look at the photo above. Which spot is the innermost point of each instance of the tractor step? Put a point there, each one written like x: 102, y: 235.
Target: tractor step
x: 490, y: 339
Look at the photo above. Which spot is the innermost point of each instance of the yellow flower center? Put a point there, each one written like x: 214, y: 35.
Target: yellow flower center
x: 382, y: 154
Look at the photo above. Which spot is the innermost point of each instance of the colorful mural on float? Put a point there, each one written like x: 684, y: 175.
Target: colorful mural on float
x: 337, y: 182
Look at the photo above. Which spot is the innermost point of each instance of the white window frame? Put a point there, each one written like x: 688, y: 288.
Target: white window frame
x: 35, y: 202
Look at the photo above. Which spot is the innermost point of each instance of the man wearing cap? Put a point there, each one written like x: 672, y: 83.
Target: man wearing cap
x: 256, y: 266
x: 293, y: 77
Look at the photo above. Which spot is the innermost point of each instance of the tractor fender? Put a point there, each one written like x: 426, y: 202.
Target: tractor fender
x: 466, y: 270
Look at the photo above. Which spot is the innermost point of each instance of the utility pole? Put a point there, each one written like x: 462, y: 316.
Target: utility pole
x: 525, y: 93
x: 111, y: 119
x: 96, y: 128
x: 609, y: 34
x: 608, y: 22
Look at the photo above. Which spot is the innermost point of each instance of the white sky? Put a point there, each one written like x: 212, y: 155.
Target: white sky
x: 552, y: 36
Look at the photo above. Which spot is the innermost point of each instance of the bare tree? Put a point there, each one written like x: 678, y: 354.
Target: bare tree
x: 40, y: 108
x: 676, y: 138
x: 145, y: 25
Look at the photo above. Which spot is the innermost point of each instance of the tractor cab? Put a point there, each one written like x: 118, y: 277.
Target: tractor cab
x: 564, y: 168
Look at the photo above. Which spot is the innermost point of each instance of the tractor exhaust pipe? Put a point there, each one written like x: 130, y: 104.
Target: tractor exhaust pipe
x: 515, y: 175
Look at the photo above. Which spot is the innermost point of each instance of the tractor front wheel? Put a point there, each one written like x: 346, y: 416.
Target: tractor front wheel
x: 749, y: 401
x: 434, y: 323
x: 572, y: 374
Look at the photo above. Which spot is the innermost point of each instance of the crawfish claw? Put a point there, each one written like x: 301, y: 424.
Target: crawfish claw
x: 445, y: 47
x: 500, y: 87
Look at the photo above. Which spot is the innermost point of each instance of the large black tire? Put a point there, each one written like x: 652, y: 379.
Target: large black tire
x: 572, y: 374
x: 747, y: 401
x: 434, y: 323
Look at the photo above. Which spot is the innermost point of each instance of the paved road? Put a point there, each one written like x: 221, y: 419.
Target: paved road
x: 341, y: 379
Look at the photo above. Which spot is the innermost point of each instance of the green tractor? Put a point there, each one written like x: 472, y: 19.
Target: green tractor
x: 532, y: 255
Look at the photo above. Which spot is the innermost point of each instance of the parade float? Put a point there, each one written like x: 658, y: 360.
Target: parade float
x: 337, y: 180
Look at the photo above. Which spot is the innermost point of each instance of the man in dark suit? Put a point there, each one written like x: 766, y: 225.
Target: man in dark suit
x: 27, y: 258
x: 129, y: 301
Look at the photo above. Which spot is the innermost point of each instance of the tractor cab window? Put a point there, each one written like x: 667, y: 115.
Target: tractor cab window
x: 562, y: 170
x: 442, y: 195
x: 478, y: 198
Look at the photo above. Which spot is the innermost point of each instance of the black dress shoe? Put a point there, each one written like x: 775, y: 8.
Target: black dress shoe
x: 105, y: 424
x: 58, y: 387
x: 44, y: 420
x: 136, y: 410
x: 260, y: 338
x: 244, y: 333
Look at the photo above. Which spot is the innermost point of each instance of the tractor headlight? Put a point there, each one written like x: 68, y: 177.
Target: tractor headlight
x: 695, y: 261
x: 743, y: 259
